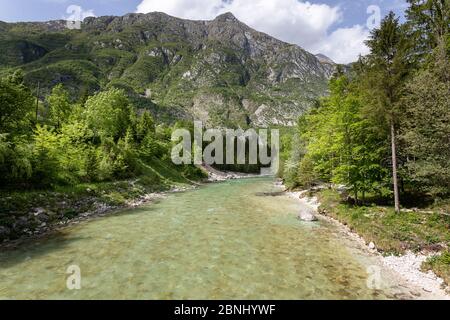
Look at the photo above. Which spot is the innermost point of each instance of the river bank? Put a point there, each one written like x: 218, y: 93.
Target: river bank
x: 215, y: 175
x: 408, y: 265
x: 36, y: 214
x: 243, y: 242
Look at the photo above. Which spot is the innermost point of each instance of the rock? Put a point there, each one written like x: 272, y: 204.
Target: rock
x: 372, y: 246
x: 307, y: 214
x: 21, y: 223
x: 43, y: 218
x: 38, y: 211
x: 4, y: 232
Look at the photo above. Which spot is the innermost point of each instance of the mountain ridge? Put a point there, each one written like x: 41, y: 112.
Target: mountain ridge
x: 219, y: 71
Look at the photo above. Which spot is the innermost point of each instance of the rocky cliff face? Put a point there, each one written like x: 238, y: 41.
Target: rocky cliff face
x: 220, y: 71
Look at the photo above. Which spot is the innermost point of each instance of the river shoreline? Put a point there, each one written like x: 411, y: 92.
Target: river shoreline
x: 102, y: 209
x: 407, y: 267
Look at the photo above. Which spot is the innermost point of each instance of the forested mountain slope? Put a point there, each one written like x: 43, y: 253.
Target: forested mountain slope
x: 219, y: 71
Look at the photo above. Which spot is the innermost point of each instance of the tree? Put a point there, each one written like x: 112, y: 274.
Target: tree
x: 429, y: 21
x: 145, y: 125
x: 387, y: 71
x: 426, y: 129
x: 59, y: 105
x: 343, y: 145
x: 107, y: 114
x: 16, y: 102
x: 46, y: 168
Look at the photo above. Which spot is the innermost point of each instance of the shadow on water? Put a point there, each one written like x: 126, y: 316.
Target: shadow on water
x: 34, y: 248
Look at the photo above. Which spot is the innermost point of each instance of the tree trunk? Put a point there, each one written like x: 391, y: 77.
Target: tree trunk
x: 394, y: 168
x: 37, y: 101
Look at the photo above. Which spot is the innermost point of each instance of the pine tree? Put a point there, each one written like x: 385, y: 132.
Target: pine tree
x: 16, y: 102
x: 429, y: 21
x: 387, y: 71
x: 426, y: 129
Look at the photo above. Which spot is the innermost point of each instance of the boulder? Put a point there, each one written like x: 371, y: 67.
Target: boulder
x: 307, y: 214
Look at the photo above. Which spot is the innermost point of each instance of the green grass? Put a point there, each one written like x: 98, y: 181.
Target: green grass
x: 440, y: 264
x: 393, y: 233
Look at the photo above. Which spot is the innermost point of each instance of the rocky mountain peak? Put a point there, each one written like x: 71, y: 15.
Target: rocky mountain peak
x: 226, y: 17
x: 324, y: 59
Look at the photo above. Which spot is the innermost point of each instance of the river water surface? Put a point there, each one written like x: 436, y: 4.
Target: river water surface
x: 221, y: 241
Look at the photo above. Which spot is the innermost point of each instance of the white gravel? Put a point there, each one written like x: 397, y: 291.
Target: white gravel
x: 215, y: 175
x: 406, y: 267
x: 409, y: 266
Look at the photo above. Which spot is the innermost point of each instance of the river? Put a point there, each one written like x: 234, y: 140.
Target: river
x: 222, y: 241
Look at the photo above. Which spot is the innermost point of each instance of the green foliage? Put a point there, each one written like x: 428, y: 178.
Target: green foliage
x: 426, y: 126
x: 15, y: 159
x: 46, y: 168
x: 145, y: 126
x: 15, y: 103
x: 392, y: 233
x: 107, y: 114
x: 391, y: 107
x: 104, y: 139
x: 429, y: 21
x: 59, y: 105
x: 386, y: 69
x: 336, y: 143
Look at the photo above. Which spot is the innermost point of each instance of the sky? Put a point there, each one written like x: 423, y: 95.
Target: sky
x: 336, y: 28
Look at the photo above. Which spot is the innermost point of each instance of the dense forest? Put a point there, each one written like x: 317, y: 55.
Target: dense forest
x: 384, y: 130
x: 62, y: 142
x: 376, y: 151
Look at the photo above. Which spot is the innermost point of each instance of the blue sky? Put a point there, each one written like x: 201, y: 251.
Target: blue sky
x: 336, y: 28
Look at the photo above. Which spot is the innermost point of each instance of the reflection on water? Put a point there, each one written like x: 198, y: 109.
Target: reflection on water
x: 223, y: 241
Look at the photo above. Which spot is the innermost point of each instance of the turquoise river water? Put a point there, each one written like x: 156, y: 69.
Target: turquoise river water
x: 221, y: 241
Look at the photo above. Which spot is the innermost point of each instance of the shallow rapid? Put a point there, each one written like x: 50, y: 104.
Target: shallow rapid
x: 230, y: 240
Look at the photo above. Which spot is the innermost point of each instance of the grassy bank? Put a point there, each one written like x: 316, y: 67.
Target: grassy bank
x: 415, y: 230
x: 28, y: 212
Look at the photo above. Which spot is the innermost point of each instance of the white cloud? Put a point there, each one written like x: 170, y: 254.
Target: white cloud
x: 345, y: 44
x: 301, y: 22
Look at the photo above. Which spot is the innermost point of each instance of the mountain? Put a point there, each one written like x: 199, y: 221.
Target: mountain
x: 324, y: 59
x: 220, y: 71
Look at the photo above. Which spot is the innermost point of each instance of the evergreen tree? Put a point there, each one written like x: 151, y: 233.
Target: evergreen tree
x: 16, y: 102
x: 426, y: 129
x: 388, y: 66
x: 429, y: 21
